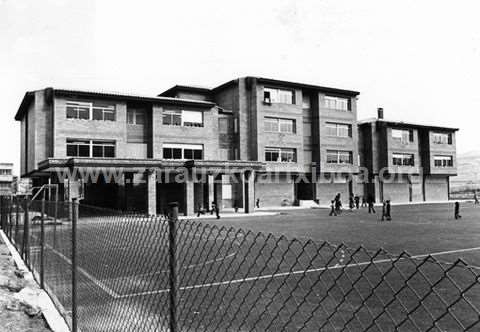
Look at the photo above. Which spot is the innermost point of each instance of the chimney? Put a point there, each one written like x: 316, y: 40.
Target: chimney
x: 380, y: 113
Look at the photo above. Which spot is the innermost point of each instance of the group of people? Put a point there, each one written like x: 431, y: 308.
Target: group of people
x: 214, y: 209
x: 354, y: 202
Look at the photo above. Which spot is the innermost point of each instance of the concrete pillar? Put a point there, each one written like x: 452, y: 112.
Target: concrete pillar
x: 189, y: 195
x: 217, y: 192
x: 210, y: 192
x: 249, y: 197
x: 151, y: 175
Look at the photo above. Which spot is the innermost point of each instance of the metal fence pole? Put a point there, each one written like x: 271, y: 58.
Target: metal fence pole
x: 42, y: 244
x: 173, y: 275
x: 10, y: 218
x: 74, y: 209
x: 26, y: 228
x: 55, y: 217
x: 17, y: 218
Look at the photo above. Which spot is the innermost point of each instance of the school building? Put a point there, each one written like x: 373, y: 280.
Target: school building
x: 284, y: 143
x: 407, y: 162
x: 6, y: 179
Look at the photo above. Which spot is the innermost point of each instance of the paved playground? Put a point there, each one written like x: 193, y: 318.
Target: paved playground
x: 418, y: 229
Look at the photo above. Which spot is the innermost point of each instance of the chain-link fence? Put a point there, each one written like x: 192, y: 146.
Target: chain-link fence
x: 108, y: 271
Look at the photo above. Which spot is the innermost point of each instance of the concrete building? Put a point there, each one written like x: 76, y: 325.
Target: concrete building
x: 407, y: 162
x: 6, y: 179
x: 251, y: 138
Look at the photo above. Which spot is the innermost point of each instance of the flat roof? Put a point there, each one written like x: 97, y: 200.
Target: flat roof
x: 188, y: 88
x: 398, y: 123
x: 261, y: 80
x: 28, y: 98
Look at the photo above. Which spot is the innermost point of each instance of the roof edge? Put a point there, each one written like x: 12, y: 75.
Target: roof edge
x: 404, y: 123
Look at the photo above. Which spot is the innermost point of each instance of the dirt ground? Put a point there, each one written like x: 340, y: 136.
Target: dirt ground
x: 16, y: 313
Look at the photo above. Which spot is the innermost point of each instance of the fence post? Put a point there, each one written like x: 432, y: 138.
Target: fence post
x: 55, y: 217
x: 42, y: 244
x: 74, y: 209
x: 17, y: 218
x: 172, y: 254
x: 10, y: 218
x: 26, y: 229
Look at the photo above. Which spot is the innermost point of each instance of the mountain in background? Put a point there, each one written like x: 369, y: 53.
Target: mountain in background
x: 468, y: 172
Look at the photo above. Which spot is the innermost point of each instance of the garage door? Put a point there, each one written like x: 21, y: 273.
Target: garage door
x: 436, y: 188
x: 326, y: 192
x: 396, y: 192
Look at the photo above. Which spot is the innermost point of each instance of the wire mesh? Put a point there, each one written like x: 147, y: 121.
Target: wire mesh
x: 231, y: 279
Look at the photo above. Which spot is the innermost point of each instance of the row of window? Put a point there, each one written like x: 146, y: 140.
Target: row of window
x: 285, y: 96
x: 283, y: 155
x: 90, y: 111
x: 406, y: 135
x: 5, y: 171
x: 275, y: 125
x: 443, y: 161
x: 401, y: 159
x: 94, y: 111
x: 443, y: 138
x: 403, y: 135
x: 90, y: 148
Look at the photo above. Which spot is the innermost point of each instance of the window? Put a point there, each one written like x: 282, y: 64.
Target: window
x: 183, y: 151
x: 88, y: 148
x: 192, y: 119
x: 337, y: 103
x: 283, y: 155
x: 225, y: 125
x: 78, y: 110
x: 275, y: 125
x: 103, y: 112
x: 273, y: 96
x: 305, y: 101
x: 442, y: 138
x: 403, y: 135
x: 443, y: 161
x: 90, y: 111
x: 136, y: 116
x: 103, y: 149
x: 172, y: 118
x: 400, y: 159
x: 183, y: 118
x: 5, y: 172
x: 339, y: 129
x: 339, y: 157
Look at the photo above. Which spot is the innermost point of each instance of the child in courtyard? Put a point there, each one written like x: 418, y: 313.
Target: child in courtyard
x: 457, y: 210
x: 332, y: 209
x: 475, y: 198
x: 388, y: 211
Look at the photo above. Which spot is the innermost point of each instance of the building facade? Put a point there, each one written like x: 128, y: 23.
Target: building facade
x: 407, y: 162
x: 6, y: 179
x: 252, y: 138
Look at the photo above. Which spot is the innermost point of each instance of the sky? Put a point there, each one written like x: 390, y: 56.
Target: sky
x: 419, y: 60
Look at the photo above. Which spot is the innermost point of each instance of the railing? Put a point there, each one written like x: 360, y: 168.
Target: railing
x: 109, y: 271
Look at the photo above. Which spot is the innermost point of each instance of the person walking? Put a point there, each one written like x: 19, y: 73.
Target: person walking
x: 351, y: 202
x: 384, y: 210
x: 217, y: 211
x: 257, y: 203
x: 475, y: 198
x: 357, y: 202
x: 364, y: 202
x: 371, y: 206
x: 388, y: 211
x: 338, y: 204
x: 332, y: 209
x: 214, y: 206
x: 457, y: 211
